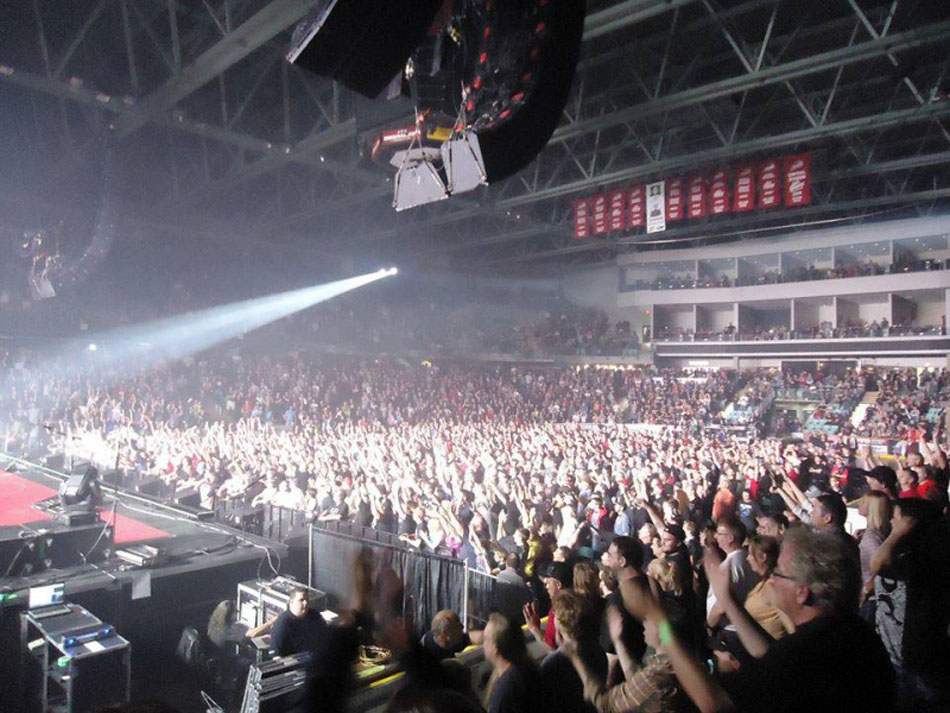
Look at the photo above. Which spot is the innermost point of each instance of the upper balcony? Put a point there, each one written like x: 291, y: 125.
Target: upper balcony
x: 887, y: 257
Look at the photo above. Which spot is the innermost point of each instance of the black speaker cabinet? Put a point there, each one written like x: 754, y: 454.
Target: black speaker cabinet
x: 42, y: 545
x: 362, y: 44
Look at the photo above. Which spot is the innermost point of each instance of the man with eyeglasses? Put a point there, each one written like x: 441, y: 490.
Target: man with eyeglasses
x: 730, y: 534
x: 833, y: 661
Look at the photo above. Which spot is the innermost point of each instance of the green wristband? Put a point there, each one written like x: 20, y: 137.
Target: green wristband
x: 665, y: 631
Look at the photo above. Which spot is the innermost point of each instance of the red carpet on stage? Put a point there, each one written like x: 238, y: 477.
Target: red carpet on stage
x: 17, y: 496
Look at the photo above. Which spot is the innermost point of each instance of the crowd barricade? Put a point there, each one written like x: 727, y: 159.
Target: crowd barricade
x: 481, y: 600
x: 431, y: 582
x: 239, y: 514
x: 278, y: 523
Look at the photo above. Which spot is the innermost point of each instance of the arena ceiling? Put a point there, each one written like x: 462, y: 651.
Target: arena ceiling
x: 216, y: 136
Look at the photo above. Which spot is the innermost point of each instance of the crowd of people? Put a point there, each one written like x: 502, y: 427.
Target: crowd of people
x: 678, y: 561
x: 792, y: 273
x: 848, y: 329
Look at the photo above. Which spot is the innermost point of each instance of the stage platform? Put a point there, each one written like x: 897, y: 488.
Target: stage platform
x: 148, y: 606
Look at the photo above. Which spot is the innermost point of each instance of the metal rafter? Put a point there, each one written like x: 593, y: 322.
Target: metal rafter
x: 270, y: 20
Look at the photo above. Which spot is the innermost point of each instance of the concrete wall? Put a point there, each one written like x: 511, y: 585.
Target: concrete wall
x: 674, y: 317
x: 930, y: 311
x: 715, y: 318
x: 875, y: 311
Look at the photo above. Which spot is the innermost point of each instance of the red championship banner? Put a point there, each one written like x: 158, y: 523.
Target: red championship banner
x: 616, y: 205
x: 581, y: 219
x: 769, y: 188
x: 719, y: 193
x: 598, y: 214
x: 674, y: 199
x: 696, y: 202
x: 636, y: 207
x: 744, y: 198
x: 798, y: 180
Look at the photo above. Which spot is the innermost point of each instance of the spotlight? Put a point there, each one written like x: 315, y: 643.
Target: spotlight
x: 92, y: 347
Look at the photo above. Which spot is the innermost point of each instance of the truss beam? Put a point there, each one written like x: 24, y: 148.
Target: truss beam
x: 625, y: 14
x: 245, y: 39
x: 781, y: 73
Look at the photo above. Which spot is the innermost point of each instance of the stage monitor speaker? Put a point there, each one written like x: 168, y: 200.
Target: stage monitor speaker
x: 154, y: 487
x: 362, y: 44
x: 47, y: 545
x: 189, y: 498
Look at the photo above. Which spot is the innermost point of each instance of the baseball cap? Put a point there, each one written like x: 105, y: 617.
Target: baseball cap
x: 561, y: 571
x: 676, y: 531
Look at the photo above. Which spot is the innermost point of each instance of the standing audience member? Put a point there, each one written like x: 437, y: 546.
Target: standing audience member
x: 912, y: 589
x: 730, y: 536
x: 624, y: 558
x: 877, y: 510
x: 514, y: 686
x: 577, y: 630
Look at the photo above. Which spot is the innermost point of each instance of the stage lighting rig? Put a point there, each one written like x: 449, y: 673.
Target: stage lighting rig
x: 79, y: 496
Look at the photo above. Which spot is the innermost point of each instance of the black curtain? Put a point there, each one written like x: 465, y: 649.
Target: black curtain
x: 431, y: 582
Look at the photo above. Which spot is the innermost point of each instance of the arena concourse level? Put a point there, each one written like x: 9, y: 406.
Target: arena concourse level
x: 537, y: 356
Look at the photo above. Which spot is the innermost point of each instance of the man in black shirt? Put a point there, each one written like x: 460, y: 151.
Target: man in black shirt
x: 624, y: 556
x: 298, y: 629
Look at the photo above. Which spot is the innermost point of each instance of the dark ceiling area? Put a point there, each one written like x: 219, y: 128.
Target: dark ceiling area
x: 214, y: 136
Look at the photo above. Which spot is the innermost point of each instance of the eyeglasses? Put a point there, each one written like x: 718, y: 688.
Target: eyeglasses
x: 776, y: 573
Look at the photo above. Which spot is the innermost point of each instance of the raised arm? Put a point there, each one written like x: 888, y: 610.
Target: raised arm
x: 703, y: 689
x: 654, y: 514
x: 755, y: 641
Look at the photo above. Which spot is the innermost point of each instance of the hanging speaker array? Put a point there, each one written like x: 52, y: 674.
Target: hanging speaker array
x: 487, y: 81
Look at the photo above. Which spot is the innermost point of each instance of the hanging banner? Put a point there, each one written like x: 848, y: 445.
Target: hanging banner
x: 769, y: 191
x: 744, y: 199
x: 719, y: 193
x: 674, y: 199
x: 581, y: 219
x: 636, y: 207
x: 798, y: 180
x: 599, y: 214
x: 656, y: 207
x: 696, y: 202
x: 616, y: 201
x: 735, y: 189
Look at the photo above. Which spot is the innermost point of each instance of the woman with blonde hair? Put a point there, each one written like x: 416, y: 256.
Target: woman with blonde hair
x: 763, y: 557
x: 587, y: 586
x: 664, y: 576
x: 877, y: 509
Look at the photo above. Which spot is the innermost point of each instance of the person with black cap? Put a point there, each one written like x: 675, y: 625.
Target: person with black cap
x: 555, y: 576
x: 673, y: 542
